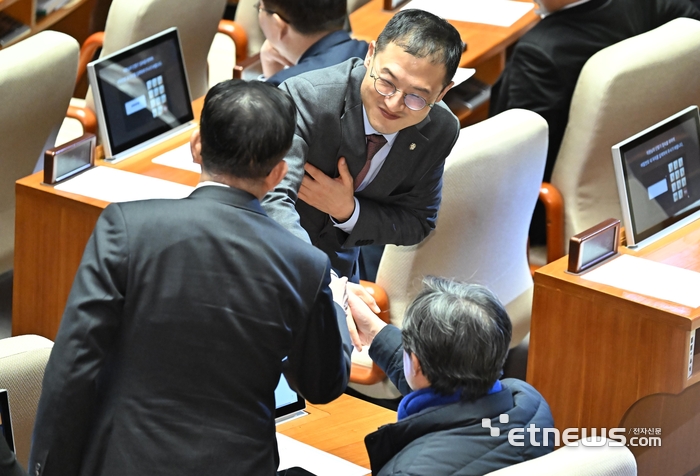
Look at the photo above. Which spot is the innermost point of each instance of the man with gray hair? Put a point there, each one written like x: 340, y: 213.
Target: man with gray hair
x: 447, y: 361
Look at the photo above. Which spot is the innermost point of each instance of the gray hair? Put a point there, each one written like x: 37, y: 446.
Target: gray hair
x: 460, y: 334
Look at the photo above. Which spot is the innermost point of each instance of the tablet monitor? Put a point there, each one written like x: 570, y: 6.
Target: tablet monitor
x: 658, y: 177
x: 141, y: 94
x: 287, y: 401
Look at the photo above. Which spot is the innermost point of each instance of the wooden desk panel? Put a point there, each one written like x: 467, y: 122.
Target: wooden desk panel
x: 51, y: 230
x: 339, y: 427
x: 596, y: 349
x: 483, y: 41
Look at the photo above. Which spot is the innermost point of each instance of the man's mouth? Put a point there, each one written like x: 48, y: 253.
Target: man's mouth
x: 388, y: 115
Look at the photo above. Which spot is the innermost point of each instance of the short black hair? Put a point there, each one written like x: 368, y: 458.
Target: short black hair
x: 460, y: 334
x: 246, y: 128
x: 311, y: 16
x: 424, y: 35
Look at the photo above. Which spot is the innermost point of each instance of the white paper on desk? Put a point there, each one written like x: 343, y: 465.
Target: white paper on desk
x: 295, y: 453
x: 490, y: 12
x: 643, y: 276
x: 462, y: 74
x: 114, y: 185
x: 180, y: 158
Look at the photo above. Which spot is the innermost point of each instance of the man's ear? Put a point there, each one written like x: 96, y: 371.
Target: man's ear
x: 276, y: 175
x: 196, y: 146
x: 444, y: 91
x: 415, y: 365
x: 281, y: 27
x: 370, y: 53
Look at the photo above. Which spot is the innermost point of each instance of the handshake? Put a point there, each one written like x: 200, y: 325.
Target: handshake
x: 360, y: 309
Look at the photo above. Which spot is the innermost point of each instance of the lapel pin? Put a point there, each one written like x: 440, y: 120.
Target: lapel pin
x: 412, y: 146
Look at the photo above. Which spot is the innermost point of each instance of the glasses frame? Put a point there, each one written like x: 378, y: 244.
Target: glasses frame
x: 396, y: 90
x: 268, y: 11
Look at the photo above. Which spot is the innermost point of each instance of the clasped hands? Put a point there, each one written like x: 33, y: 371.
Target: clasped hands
x: 360, y: 309
x: 334, y: 196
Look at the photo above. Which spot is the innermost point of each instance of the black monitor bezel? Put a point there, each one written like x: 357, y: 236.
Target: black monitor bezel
x: 171, y: 34
x: 626, y: 147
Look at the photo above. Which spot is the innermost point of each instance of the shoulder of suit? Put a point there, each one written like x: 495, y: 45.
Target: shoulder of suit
x: 338, y: 74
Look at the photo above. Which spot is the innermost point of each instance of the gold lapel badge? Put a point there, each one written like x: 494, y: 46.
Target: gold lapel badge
x: 412, y: 146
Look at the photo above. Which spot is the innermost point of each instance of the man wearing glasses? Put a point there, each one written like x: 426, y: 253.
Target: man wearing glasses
x: 370, y: 144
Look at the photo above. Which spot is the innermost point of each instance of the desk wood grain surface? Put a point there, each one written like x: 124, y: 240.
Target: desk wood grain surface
x: 597, y: 349
x: 339, y: 427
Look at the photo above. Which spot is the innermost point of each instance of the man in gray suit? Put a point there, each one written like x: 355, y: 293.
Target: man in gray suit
x: 184, y: 313
x: 371, y: 140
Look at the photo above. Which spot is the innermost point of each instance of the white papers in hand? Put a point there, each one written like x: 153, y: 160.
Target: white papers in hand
x: 643, y: 276
x: 490, y: 12
x: 114, y: 185
x: 295, y: 453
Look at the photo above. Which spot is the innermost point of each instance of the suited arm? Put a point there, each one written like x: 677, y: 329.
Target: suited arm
x: 279, y: 204
x: 387, y: 352
x: 319, y: 365
x: 88, y: 328
x: 404, y: 218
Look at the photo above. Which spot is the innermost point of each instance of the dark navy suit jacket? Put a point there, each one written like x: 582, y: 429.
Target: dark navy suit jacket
x: 332, y: 49
x: 173, y: 340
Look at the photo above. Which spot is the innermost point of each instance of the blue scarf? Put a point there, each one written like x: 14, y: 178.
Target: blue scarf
x: 427, y: 397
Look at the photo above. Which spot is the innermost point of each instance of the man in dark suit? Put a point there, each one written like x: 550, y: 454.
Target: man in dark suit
x: 304, y: 35
x: 184, y: 313
x: 371, y: 141
x: 544, y: 67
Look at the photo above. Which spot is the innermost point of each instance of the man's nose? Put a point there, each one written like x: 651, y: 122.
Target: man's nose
x: 395, y: 102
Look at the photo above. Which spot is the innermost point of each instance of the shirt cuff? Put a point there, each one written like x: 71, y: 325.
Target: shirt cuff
x: 348, y: 225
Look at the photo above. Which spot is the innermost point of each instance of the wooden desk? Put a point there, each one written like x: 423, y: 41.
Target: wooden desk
x: 340, y: 427
x: 486, y: 44
x: 51, y: 231
x: 596, y: 349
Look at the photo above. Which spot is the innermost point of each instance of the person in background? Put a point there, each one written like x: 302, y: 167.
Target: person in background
x: 184, y: 314
x: 304, y: 35
x: 546, y: 62
x: 447, y: 360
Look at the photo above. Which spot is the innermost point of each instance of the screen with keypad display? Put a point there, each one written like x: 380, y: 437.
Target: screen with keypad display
x: 662, y: 174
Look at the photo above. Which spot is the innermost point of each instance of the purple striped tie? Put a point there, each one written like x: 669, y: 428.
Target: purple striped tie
x: 374, y: 143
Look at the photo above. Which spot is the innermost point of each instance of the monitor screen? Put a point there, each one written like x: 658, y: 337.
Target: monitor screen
x: 287, y: 400
x: 141, y: 92
x: 658, y: 174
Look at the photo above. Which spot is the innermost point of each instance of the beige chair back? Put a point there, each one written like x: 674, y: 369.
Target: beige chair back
x: 622, y: 90
x: 130, y: 21
x: 22, y: 363
x: 37, y: 76
x: 491, y: 182
x: 602, y: 460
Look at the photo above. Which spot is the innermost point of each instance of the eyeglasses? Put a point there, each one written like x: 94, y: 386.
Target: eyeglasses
x: 387, y: 89
x: 267, y: 10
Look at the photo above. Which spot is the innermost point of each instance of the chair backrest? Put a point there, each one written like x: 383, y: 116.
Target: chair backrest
x: 247, y: 16
x: 197, y: 21
x: 622, y: 90
x: 490, y: 185
x: 37, y: 76
x: 22, y: 363
x: 578, y: 460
